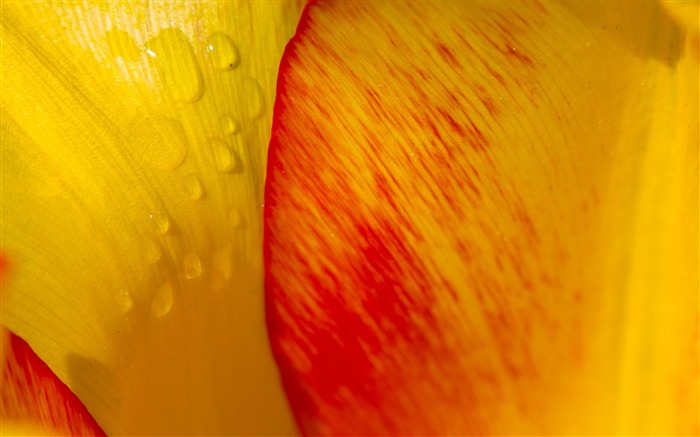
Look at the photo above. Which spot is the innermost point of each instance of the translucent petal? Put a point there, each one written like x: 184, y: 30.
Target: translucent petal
x: 132, y: 210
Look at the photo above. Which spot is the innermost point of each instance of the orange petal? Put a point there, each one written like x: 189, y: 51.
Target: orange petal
x: 481, y: 218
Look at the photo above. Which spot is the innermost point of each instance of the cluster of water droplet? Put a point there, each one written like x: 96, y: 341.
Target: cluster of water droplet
x: 163, y: 142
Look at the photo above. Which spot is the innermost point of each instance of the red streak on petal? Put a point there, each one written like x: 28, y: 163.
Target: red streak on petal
x: 33, y: 394
x: 448, y: 55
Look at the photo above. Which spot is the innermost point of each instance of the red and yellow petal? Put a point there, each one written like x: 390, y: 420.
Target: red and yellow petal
x: 481, y: 218
x: 35, y: 400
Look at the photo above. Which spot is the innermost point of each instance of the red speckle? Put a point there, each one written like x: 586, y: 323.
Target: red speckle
x: 506, y: 47
x: 496, y: 75
x: 456, y: 127
x: 447, y: 54
x: 514, y: 52
x: 434, y: 130
x: 527, y: 225
x: 489, y: 105
x: 4, y: 267
x: 476, y: 138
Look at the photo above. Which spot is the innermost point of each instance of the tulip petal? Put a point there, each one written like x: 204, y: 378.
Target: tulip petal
x: 482, y: 218
x: 36, y: 401
x: 134, y: 145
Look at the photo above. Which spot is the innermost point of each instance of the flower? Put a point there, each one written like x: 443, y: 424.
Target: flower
x: 480, y: 218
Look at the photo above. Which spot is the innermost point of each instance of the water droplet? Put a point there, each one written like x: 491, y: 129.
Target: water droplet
x: 160, y: 222
x: 229, y: 124
x: 192, y: 264
x: 161, y: 141
x: 177, y: 66
x: 193, y: 186
x: 235, y: 219
x: 121, y: 44
x: 126, y: 302
x: 223, y: 51
x: 163, y: 300
x: 152, y: 249
x: 222, y: 156
x: 252, y: 102
x: 223, y: 261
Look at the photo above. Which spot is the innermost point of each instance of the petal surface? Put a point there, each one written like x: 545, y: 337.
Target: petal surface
x: 134, y: 138
x: 35, y: 402
x: 482, y: 218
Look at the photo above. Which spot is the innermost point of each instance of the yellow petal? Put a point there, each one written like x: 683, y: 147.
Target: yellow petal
x: 134, y: 139
x: 22, y: 429
x: 684, y: 12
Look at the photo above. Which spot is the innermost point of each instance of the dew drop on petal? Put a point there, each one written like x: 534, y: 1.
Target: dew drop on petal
x: 160, y: 141
x: 222, y: 267
x: 252, y: 98
x: 152, y: 250
x: 193, y: 186
x: 192, y: 265
x: 223, y: 261
x: 121, y: 44
x: 177, y: 66
x: 221, y: 155
x: 229, y: 124
x: 222, y: 50
x: 163, y: 300
x: 160, y: 222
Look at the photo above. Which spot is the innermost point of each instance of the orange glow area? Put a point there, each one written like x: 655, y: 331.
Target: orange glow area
x: 482, y: 219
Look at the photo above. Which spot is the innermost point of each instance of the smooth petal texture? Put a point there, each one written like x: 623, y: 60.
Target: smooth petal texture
x: 35, y: 402
x: 134, y: 141
x: 482, y: 218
